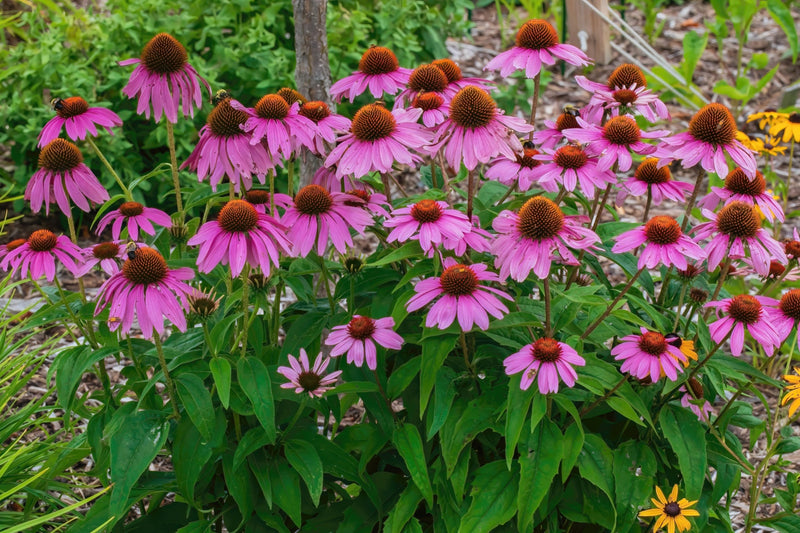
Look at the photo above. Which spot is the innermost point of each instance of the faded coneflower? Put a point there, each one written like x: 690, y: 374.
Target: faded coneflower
x: 137, y: 217
x: 203, y: 304
x: 744, y: 312
x: 570, y: 166
x: 740, y: 188
x: 38, y: 255
x: 164, y: 79
x: 624, y: 92
x: 427, y: 221
x: 671, y: 512
x: 276, y: 124
x: 80, y: 119
x: 545, y: 360
x: 665, y: 244
x: 306, y: 378
x: 357, y: 339
x: 378, y: 71
x: 648, y: 354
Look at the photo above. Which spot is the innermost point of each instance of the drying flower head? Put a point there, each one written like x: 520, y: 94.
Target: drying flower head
x: 80, y: 119
x: 545, y: 360
x: 671, y: 512
x: 357, y: 339
x: 38, y: 254
x: 755, y: 314
x: 137, y: 217
x: 649, y: 355
x: 378, y: 70
x: 665, y: 244
x: 305, y: 378
x: 429, y: 222
x: 203, y: 304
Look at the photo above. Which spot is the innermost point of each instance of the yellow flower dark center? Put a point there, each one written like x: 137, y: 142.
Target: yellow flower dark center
x: 146, y: 267
x: 737, y: 182
x: 164, y: 54
x: 566, y: 120
x: 257, y: 196
x: 224, y: 120
x: 105, y: 250
x: 313, y: 200
x: 315, y: 111
x: 738, y: 219
x: 450, y: 69
x: 459, y: 280
x: 622, y: 131
x: 361, y: 327
x: 625, y: 75
x: 291, y: 96
x: 427, y: 101
x: 745, y: 308
x: 16, y: 243
x: 653, y: 343
x: 662, y: 230
x: 272, y: 106
x: 238, y: 216
x: 540, y: 218
x: 570, y: 156
x: 42, y: 240
x: 526, y: 159
x: 378, y: 60
x: 60, y: 155
x: 546, y: 350
x: 373, y: 122
x: 131, y: 209
x: 794, y: 118
x: 713, y: 124
x: 625, y: 96
x: 427, y: 78
x: 71, y: 107
x: 648, y: 172
x: 672, y: 509
x: 309, y: 381
x: 472, y: 108
x: 536, y: 34
x: 426, y: 211
x: 790, y: 304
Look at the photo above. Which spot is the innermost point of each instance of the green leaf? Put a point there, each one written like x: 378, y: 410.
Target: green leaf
x: 219, y: 333
x: 538, y: 461
x: 780, y: 11
x: 240, y: 484
x: 257, y: 385
x: 402, y: 377
x: 198, y: 526
x: 254, y: 439
x: 304, y: 331
x: 190, y: 455
x: 197, y: 401
x: 573, y: 444
x: 408, y: 442
x: 595, y: 464
x: 687, y: 438
x: 305, y: 460
x: 443, y: 396
x: 517, y: 405
x: 409, y: 249
x: 221, y: 371
x: 133, y: 447
x: 634, y: 470
x: 494, y: 496
x: 353, y: 387
x: 693, y: 46
x: 70, y: 365
x: 434, y: 352
x: 403, y: 510
x: 287, y: 489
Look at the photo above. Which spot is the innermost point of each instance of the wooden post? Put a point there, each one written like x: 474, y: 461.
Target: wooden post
x: 585, y: 27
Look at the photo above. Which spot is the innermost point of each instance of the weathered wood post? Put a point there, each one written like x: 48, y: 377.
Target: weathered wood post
x: 584, y: 26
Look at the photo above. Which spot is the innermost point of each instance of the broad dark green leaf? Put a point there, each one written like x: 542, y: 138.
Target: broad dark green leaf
x: 409, y: 249
x: 517, y: 405
x: 305, y: 460
x: 595, y: 464
x: 256, y: 384
x: 403, y: 510
x: 442, y: 400
x: 219, y: 333
x: 538, y: 460
x: 286, y: 489
x: 494, y: 497
x: 70, y: 365
x: 190, y: 454
x: 197, y: 401
x: 221, y: 371
x: 254, y: 439
x: 634, y: 470
x: 434, y: 352
x: 240, y: 484
x: 687, y: 438
x: 408, y: 442
x: 304, y: 332
x: 573, y: 444
x: 353, y: 386
x: 402, y: 377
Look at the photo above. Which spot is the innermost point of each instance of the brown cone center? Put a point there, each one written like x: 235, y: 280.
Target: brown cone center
x: 224, y: 120
x: 790, y: 304
x: 540, y: 218
x: 257, y: 196
x: 526, y: 159
x: 450, y: 69
x: 361, y: 194
x: 427, y: 101
x: 472, y: 108
x: 737, y: 182
x: 373, y: 122
x: 672, y: 509
x: 792, y: 249
x: 16, y: 243
x: 738, y: 219
x: 566, y: 120
x: 648, y: 172
x: 622, y: 131
x: 794, y: 118
x: 315, y: 111
x: 378, y: 60
x: 291, y: 96
x: 42, y: 240
x: 313, y: 200
x: 131, y: 209
x: 71, y: 107
x: 361, y: 327
x: 536, y: 34
x: 60, y: 155
x: 272, y: 106
x: 625, y: 75
x: 426, y: 211
x: 625, y: 96
x: 427, y: 78
x: 146, y: 267
x: 546, y: 350
x: 459, y: 280
x: 653, y: 343
x: 164, y: 54
x: 309, y: 381
x: 238, y: 216
x: 570, y: 157
x: 105, y: 250
x: 662, y: 230
x: 776, y: 269
x: 713, y: 124
x: 745, y: 308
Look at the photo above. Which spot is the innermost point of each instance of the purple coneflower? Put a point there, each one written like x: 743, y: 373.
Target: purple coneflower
x: 306, y: 378
x: 426, y: 78
x: 552, y: 134
x: 476, y: 239
x: 277, y: 124
x: 358, y: 337
x: 326, y: 178
x: 462, y: 297
x: 571, y: 166
x: 108, y: 255
x: 318, y: 215
x: 477, y: 130
x: 536, y: 44
x: 740, y: 188
x: 427, y: 221
x: 545, y: 360
x: 378, y: 71
x: 148, y: 289
x: 785, y: 318
x: 665, y: 244
x: 756, y: 314
x: 518, y: 170
x: 260, y: 199
x: 164, y: 77
x: 626, y: 91
x: 80, y: 119
x: 38, y: 255
x: 328, y: 125
x: 700, y: 406
x: 614, y: 141
x: 372, y: 202
x: 711, y: 135
x: 137, y: 217
x: 658, y: 180
x: 62, y: 176
x: 528, y: 240
x: 455, y: 78
x: 434, y: 108
x: 225, y: 150
x: 240, y: 235
x: 738, y: 225
x: 377, y: 139
x: 9, y: 247
x: 646, y: 355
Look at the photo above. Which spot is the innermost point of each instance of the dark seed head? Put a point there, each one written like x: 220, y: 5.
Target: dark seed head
x: 713, y: 124
x: 450, y: 69
x: 60, y: 155
x: 361, y: 327
x: 373, y: 122
x: 164, y: 54
x: 427, y: 78
x: 42, y: 240
x: 672, y: 509
x: 570, y: 157
x: 653, y: 343
x: 291, y: 96
x: 626, y: 75
x: 272, y: 106
x: 224, y: 120
x: 315, y: 111
x: 546, y: 350
x: 737, y: 182
x: 147, y: 267
x: 238, y: 216
x: 426, y: 211
x: 745, y: 308
x: 131, y: 209
x: 459, y: 280
x: 537, y: 34
x: 790, y: 304
x: 71, y: 107
x: 313, y: 200
x: 472, y: 107
x: 738, y: 219
x: 648, y: 172
x: 662, y: 230
x: 378, y: 60
x: 622, y: 131
x: 540, y: 218
x: 105, y: 250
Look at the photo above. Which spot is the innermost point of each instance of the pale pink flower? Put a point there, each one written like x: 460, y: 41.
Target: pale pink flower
x: 784, y: 319
x: 378, y: 71
x: 626, y: 91
x: 434, y: 108
x: 277, y: 125
x: 570, y: 166
x: 755, y: 314
x: 426, y: 78
x: 80, y: 119
x: 665, y: 244
x: 648, y: 354
x: 545, y: 360
x: 37, y: 255
x: 358, y: 337
x: 109, y: 255
x: 648, y: 175
x: 740, y: 188
x: 519, y: 170
x: 427, y: 221
x: 306, y: 378
x: 137, y: 217
x: 328, y: 126
x: 456, y: 79
x: 700, y: 407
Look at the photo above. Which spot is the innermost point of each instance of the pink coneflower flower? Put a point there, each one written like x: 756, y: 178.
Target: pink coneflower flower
x: 372, y: 202
x: 614, y: 141
x: 108, y: 255
x: 700, y: 407
x: 378, y: 71
x: 260, y: 199
x: 626, y: 91
x: 570, y: 166
x: 62, y: 177
x: 277, y: 124
x: 378, y: 138
x: 358, y: 337
x: 240, y: 235
x: 648, y: 175
x: 552, y: 134
x: 665, y: 244
x: 38, y: 255
x: 149, y: 290
x: 476, y: 239
x: 462, y: 297
x: 306, y: 378
x: 137, y: 217
x: 477, y: 130
x: 755, y: 314
x: 455, y: 78
x: 518, y: 170
x: 527, y: 240
x: 9, y: 247
x: 80, y: 119
x: 711, y: 135
x: 776, y: 270
x: 536, y: 44
x: 164, y: 78
x: 225, y: 150
x: 792, y: 246
x: 328, y: 125
x: 434, y: 108
x: 738, y: 225
x: 318, y: 215
x: 545, y: 360
x: 740, y: 188
x: 426, y: 78
x: 646, y: 355
x: 326, y: 178
x: 427, y: 221
x: 785, y: 318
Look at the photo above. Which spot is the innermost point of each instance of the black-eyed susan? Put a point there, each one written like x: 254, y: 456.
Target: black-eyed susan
x: 792, y: 391
x: 789, y: 124
x: 765, y: 118
x: 671, y: 512
x: 755, y: 144
x: 772, y: 146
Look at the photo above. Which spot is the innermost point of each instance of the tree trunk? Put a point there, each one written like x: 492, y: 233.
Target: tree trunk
x: 312, y: 70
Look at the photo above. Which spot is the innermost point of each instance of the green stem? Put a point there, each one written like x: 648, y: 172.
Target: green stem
x: 548, y: 332
x: 325, y: 281
x: 470, y: 193
x: 276, y: 313
x: 647, y: 205
x: 678, y: 310
x: 610, y: 308
x: 173, y: 397
x: 125, y: 191
x: 433, y: 174
x: 87, y: 332
x: 600, y: 208
x: 508, y: 193
x: 245, y: 306
x: 720, y: 283
x: 272, y: 192
x: 290, y: 179
x: 174, y: 164
x: 534, y: 103
x: 74, y: 236
x: 605, y: 396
